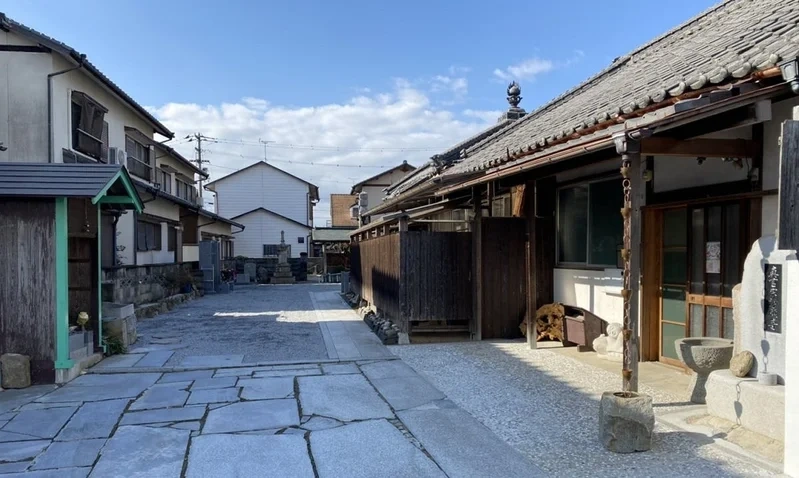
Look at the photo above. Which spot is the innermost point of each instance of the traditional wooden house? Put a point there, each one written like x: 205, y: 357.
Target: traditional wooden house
x: 696, y: 113
x: 51, y: 259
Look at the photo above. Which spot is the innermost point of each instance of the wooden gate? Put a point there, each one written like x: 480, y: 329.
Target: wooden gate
x: 501, y: 269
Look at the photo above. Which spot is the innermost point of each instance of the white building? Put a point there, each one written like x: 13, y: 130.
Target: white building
x: 267, y: 200
x: 56, y: 106
x: 372, y: 191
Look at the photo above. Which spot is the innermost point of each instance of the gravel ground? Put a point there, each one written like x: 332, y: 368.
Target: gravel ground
x: 546, y: 405
x: 264, y: 323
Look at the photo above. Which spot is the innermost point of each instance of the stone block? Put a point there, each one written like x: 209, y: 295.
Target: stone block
x: 15, y: 370
x: 114, y: 310
x: 626, y: 423
x: 742, y: 363
x: 757, y: 407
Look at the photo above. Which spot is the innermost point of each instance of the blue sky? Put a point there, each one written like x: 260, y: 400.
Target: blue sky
x: 415, y: 74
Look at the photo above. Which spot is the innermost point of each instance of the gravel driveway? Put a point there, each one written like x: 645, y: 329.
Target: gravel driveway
x: 546, y: 405
x: 263, y: 323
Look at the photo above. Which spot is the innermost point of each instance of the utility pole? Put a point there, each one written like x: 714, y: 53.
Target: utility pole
x: 265, y: 143
x: 199, y: 137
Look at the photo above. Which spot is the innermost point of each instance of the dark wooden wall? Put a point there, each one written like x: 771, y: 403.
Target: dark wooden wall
x: 375, y: 272
x: 789, y: 187
x: 539, y: 209
x: 27, y: 288
x: 503, y: 256
x: 435, y: 276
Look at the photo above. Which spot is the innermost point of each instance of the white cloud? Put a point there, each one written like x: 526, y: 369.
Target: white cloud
x: 403, y: 117
x: 487, y: 116
x: 456, y: 70
x: 458, y: 86
x: 526, y: 70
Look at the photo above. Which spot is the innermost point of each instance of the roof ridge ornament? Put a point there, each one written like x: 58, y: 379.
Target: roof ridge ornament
x: 514, y: 94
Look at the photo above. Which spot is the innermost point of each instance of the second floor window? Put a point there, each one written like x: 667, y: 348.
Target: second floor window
x: 138, y: 159
x: 185, y: 191
x: 89, y: 130
x: 164, y: 180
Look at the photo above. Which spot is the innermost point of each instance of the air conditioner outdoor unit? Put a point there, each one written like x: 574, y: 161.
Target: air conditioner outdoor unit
x: 117, y: 156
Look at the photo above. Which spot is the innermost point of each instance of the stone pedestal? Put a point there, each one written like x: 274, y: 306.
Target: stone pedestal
x: 283, y: 274
x: 15, y: 370
x: 626, y: 423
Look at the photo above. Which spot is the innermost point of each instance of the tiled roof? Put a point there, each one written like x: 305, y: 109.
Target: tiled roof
x: 69, y: 52
x: 728, y: 42
x: 450, y: 156
x: 331, y: 234
x: 404, y: 166
x: 54, y: 180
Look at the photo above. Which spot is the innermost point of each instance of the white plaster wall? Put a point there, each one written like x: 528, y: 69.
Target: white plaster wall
x: 596, y: 291
x: 791, y: 274
x: 768, y: 221
x: 126, y: 239
x: 23, y: 102
x: 262, y: 186
x: 216, y: 228
x: 162, y: 208
x: 119, y: 113
x: 264, y: 228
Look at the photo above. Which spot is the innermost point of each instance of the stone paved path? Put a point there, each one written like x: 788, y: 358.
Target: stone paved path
x: 359, y: 413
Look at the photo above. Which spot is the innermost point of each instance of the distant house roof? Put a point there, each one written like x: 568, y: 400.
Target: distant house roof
x: 404, y: 167
x: 65, y: 50
x: 272, y: 213
x: 331, y: 234
x: 726, y: 43
x: 69, y: 180
x: 314, y: 188
x: 143, y: 186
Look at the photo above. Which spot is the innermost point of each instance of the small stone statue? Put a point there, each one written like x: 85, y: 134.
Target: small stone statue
x: 610, y: 346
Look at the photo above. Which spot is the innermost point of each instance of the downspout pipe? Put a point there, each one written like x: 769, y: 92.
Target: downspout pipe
x: 50, y: 77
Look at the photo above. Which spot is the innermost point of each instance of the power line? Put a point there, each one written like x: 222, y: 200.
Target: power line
x: 313, y: 147
x: 349, y: 183
x: 272, y: 160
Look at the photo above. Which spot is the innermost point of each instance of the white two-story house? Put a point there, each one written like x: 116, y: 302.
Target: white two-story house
x: 57, y: 107
x: 267, y: 200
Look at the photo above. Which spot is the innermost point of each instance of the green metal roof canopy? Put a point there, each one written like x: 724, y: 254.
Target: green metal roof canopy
x: 102, y: 183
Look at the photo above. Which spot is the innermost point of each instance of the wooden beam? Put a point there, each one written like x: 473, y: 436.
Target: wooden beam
x: 696, y: 148
x: 788, y: 229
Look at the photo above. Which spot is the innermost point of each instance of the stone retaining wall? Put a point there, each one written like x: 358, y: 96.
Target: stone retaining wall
x: 140, y: 284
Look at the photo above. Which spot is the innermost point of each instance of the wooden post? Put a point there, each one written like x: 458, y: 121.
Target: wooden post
x: 62, y: 359
x: 788, y: 225
x: 629, y: 146
x: 403, y: 224
x: 477, y: 265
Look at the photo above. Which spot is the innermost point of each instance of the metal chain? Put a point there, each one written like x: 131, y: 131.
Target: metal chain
x: 626, y: 212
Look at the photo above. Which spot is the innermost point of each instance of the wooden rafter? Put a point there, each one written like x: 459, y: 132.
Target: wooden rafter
x: 695, y: 148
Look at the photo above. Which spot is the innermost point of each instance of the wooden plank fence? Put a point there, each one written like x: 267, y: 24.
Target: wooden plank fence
x: 375, y: 272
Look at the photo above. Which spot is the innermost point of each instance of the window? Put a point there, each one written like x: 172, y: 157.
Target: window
x: 164, y: 180
x: 89, y: 131
x: 138, y: 158
x: 227, y: 249
x: 148, y: 236
x: 590, y: 225
x: 185, y: 191
x: 271, y: 250
x: 172, y: 239
x: 300, y: 240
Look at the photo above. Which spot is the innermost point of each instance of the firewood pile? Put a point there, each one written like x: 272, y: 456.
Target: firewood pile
x: 548, y: 322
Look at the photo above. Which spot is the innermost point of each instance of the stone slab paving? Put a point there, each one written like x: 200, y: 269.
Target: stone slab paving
x: 214, y: 395
x: 45, y: 423
x: 209, y: 383
x: 226, y: 456
x: 266, y: 388
x: 93, y: 388
x: 155, y: 359
x: 212, y: 360
x: 183, y: 376
x: 400, y: 385
x: 94, y: 420
x: 339, y: 452
x: 343, y: 397
x: 250, y: 416
x: 143, y: 452
x: 78, y: 453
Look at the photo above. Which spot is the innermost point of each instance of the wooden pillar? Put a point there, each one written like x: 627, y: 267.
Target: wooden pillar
x: 403, y: 224
x: 788, y: 226
x: 62, y: 359
x: 629, y: 147
x: 99, y: 283
x: 477, y: 265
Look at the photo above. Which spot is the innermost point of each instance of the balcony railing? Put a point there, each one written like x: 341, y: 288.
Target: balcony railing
x: 139, y: 168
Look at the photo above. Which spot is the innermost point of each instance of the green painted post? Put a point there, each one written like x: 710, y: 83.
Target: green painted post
x: 100, y: 280
x: 62, y: 284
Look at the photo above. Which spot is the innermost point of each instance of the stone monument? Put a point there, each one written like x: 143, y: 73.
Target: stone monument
x: 283, y: 273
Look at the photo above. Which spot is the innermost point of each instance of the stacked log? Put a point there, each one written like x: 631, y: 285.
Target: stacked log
x: 548, y: 322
